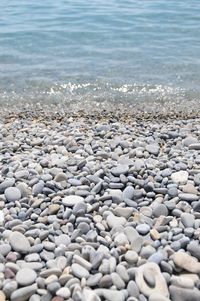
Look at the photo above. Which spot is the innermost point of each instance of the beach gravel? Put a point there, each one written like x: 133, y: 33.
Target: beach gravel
x: 101, y: 205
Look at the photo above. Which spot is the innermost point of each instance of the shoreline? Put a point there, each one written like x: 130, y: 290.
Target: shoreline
x: 99, y: 203
x: 102, y: 111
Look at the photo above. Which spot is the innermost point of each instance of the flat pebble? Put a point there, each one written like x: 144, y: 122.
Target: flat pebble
x: 120, y: 169
x: 115, y: 221
x: 189, y: 197
x: 183, y: 294
x: 110, y: 294
x: 153, y: 149
x: 143, y: 229
x: 117, y: 281
x: 6, y: 184
x: 19, y: 242
x: 189, y: 140
x: 71, y: 200
x: 153, y: 272
x: 26, y: 277
x: 160, y: 209
x: 180, y: 177
x: 195, y: 146
x: 186, y: 262
x: 23, y: 294
x: 187, y: 219
x: 79, y: 271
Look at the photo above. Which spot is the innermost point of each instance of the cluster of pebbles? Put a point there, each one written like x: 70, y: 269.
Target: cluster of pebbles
x: 99, y: 209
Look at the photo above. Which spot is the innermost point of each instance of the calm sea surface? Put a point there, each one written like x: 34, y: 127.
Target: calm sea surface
x: 119, y: 50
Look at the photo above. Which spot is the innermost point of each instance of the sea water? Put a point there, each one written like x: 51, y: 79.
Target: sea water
x: 116, y: 50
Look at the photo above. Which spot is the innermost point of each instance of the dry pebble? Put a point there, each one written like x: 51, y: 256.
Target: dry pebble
x: 99, y: 208
x: 26, y: 277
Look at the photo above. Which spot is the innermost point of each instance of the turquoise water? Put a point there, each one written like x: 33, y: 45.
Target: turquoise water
x: 117, y: 50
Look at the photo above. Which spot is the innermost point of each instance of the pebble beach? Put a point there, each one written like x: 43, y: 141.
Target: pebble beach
x: 99, y: 206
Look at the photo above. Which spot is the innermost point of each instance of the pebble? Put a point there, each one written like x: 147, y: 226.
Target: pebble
x: 79, y: 271
x: 122, y: 272
x: 2, y: 296
x: 184, y: 294
x: 153, y: 272
x: 34, y: 297
x: 62, y: 239
x: 26, y: 277
x: 153, y: 149
x: 57, y: 298
x: 6, y: 184
x: 2, y: 219
x: 143, y: 229
x: 128, y: 193
x: 195, y: 146
x: 24, y: 293
x: 154, y: 234
x: 38, y: 188
x: 117, y: 281
x: 5, y: 249
x: 72, y: 200
x: 173, y: 192
x: 53, y: 209
x: 147, y: 251
x: 22, y: 174
x: 124, y: 212
x: 190, y: 140
x: 121, y: 240
x: 12, y: 194
x: 63, y: 292
x: 84, y: 263
x: 110, y: 294
x: 89, y: 295
x: 186, y: 262
x: 184, y: 282
x: 19, y: 242
x: 115, y: 221
x: 187, y: 219
x: 194, y: 248
x: 119, y: 170
x: 160, y: 209
x: 106, y: 281
x: 131, y: 257
x: 94, y: 280
x: 189, y: 197
x: 180, y: 177
x: 158, y: 297
x: 132, y: 289
x: 189, y: 188
x: 10, y: 287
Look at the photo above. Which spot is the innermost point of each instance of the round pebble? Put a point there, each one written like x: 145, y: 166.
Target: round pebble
x: 143, y: 229
x: 12, y: 194
x: 25, y: 277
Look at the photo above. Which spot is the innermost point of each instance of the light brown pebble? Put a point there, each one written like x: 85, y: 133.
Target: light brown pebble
x: 186, y: 262
x: 2, y: 296
x: 53, y: 208
x: 57, y: 299
x: 155, y: 235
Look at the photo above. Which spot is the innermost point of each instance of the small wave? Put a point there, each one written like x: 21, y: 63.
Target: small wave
x: 98, y: 92
x: 127, y: 92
